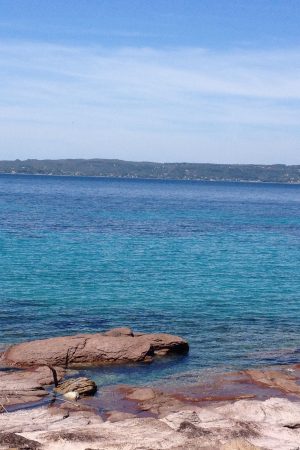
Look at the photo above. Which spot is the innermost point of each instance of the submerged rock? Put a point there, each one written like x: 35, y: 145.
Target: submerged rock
x: 93, y: 349
x: 276, y: 379
x: 141, y: 394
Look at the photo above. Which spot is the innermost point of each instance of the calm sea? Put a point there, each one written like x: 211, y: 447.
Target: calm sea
x: 217, y: 263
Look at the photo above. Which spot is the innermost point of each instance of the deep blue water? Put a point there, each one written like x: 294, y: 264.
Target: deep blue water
x: 217, y: 263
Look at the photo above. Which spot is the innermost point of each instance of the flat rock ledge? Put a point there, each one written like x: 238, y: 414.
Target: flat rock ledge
x: 116, y: 346
x: 19, y: 387
x: 273, y: 424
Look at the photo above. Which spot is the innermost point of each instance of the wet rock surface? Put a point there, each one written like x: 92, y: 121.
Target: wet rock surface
x: 25, y: 386
x: 284, y: 380
x: 155, y: 402
x: 115, y: 346
x: 18, y: 387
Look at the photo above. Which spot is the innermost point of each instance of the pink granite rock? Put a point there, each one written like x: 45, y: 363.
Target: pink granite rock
x: 231, y: 426
x: 92, y: 349
x: 24, y: 386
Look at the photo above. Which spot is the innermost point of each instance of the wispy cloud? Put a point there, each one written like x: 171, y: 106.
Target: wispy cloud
x: 107, y: 101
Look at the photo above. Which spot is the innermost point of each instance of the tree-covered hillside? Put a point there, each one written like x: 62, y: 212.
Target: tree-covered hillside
x: 130, y: 169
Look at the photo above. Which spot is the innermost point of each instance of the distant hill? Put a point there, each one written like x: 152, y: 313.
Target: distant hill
x: 179, y: 171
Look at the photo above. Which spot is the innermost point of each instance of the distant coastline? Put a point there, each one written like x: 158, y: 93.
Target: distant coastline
x: 112, y: 168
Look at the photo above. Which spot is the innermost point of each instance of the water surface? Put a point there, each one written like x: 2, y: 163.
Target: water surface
x: 217, y: 263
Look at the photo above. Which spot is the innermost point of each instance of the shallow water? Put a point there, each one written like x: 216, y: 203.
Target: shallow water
x: 217, y: 263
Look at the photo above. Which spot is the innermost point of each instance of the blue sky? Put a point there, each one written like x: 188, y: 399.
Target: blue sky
x: 161, y: 80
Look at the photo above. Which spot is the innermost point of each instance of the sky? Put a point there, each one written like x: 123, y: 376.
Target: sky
x: 151, y: 80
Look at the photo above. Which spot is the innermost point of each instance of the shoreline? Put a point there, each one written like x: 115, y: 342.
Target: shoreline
x: 197, y: 180
x: 252, y: 409
x: 249, y: 410
x: 282, y: 381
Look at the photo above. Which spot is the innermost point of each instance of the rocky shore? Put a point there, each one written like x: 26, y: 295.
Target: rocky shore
x: 42, y: 407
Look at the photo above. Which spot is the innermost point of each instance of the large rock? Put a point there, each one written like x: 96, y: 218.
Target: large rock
x: 92, y: 349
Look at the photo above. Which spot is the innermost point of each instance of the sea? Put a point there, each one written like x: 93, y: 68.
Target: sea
x: 217, y: 263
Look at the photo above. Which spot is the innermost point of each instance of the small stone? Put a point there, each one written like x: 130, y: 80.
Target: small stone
x: 71, y: 395
x: 82, y: 386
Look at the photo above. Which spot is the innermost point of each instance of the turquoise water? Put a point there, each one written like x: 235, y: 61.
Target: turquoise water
x: 217, y: 263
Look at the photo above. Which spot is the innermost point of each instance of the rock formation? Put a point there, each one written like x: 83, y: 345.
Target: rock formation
x: 160, y: 421
x: 272, y: 424
x: 116, y: 346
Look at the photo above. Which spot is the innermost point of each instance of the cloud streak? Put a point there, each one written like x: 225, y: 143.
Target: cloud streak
x: 140, y: 103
